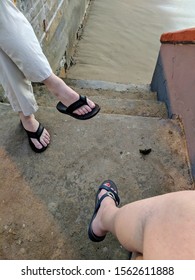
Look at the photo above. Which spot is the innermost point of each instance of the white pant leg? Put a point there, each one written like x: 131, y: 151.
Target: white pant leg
x: 19, y: 42
x: 18, y: 89
x: 21, y: 58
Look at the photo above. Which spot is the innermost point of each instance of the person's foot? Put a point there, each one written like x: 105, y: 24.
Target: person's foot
x: 66, y: 95
x: 106, y: 205
x: 71, y: 97
x: 31, y: 124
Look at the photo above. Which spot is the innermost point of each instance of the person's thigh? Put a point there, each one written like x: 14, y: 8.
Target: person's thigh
x: 169, y: 231
x: 160, y: 227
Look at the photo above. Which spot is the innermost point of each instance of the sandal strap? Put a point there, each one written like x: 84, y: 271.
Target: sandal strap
x: 113, y: 194
x: 110, y: 194
x: 79, y: 103
x: 36, y: 134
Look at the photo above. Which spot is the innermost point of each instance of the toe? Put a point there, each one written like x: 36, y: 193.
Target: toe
x: 45, y: 138
x: 91, y: 104
x: 37, y: 144
x: 83, y: 110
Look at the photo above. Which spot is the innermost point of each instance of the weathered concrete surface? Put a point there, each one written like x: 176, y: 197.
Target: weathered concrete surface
x: 46, y: 200
x: 129, y: 102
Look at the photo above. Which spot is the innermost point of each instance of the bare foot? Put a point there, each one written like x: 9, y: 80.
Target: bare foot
x: 31, y: 124
x: 71, y: 97
x: 66, y: 95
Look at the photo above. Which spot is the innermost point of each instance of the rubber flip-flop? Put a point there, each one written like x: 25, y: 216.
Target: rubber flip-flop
x: 76, y: 105
x: 36, y: 135
x: 112, y: 192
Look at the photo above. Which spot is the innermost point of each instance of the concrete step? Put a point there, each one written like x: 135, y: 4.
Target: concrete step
x: 104, y: 85
x: 145, y: 108
x: 113, y: 90
x: 50, y: 196
x: 112, y: 97
x: 103, y: 89
x: 137, y: 101
x: 113, y: 94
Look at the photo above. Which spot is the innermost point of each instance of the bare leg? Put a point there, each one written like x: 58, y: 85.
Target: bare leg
x: 65, y: 94
x: 160, y: 227
x: 122, y: 222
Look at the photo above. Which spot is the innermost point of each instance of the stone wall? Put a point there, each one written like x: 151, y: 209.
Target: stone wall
x: 56, y: 24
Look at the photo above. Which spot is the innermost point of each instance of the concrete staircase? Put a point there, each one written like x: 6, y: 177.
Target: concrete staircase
x: 47, y: 199
x: 132, y: 100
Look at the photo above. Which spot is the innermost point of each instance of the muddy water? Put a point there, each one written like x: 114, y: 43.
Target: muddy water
x: 120, y: 42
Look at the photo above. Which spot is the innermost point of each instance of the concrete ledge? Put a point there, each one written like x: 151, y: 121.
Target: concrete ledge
x: 185, y: 36
x: 104, y: 85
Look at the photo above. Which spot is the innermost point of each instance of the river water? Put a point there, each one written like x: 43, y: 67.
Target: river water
x: 121, y: 43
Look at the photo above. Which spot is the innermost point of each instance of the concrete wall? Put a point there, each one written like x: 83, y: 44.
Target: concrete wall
x: 174, y: 81
x: 56, y: 24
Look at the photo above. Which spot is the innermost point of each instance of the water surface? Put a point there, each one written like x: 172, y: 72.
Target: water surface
x: 121, y: 39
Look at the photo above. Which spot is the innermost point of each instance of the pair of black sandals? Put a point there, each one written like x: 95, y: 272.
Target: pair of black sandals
x: 64, y: 110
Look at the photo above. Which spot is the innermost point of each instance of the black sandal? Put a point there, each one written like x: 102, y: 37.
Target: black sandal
x: 112, y: 192
x: 76, y: 105
x: 36, y: 135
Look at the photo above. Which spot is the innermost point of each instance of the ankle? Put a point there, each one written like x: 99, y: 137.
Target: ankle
x: 26, y: 118
x: 107, y: 206
x: 103, y: 216
x: 107, y: 201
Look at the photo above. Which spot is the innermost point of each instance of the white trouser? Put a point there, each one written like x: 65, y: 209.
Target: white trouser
x: 21, y: 59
